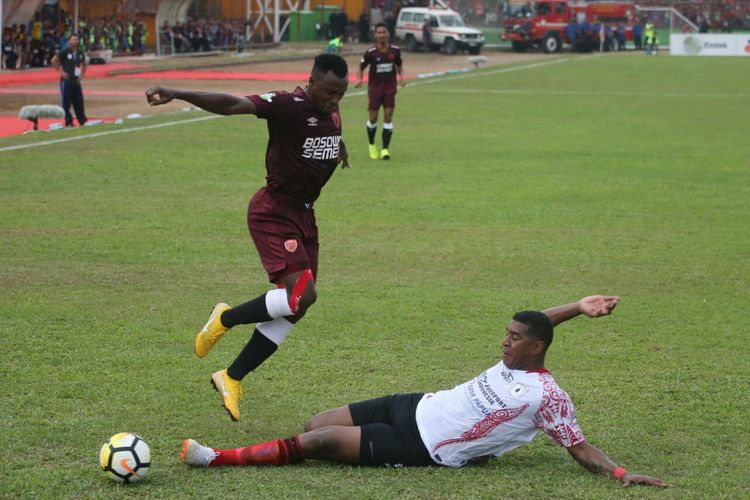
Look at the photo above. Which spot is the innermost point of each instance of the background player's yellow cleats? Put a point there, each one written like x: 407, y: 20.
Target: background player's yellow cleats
x: 385, y: 155
x: 230, y: 390
x: 373, y: 152
x: 212, y: 332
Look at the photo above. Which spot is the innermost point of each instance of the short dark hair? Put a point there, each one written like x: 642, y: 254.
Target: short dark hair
x: 331, y: 62
x: 379, y: 25
x: 540, y: 326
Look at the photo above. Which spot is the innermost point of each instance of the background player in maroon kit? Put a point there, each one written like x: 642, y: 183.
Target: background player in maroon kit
x: 304, y: 148
x: 385, y: 63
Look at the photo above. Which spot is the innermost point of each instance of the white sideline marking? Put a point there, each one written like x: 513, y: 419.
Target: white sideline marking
x: 585, y: 93
x: 109, y: 132
x: 499, y: 71
x: 438, y: 79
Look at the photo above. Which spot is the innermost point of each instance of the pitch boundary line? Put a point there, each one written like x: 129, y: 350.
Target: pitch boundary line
x: 438, y: 79
x: 586, y: 93
x: 109, y: 132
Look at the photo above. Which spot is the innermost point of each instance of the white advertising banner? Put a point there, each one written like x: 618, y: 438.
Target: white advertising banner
x: 709, y: 44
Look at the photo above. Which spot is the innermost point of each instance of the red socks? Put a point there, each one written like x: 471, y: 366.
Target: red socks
x: 278, y: 452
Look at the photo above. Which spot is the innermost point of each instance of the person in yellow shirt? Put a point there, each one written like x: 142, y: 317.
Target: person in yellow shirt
x: 649, y: 35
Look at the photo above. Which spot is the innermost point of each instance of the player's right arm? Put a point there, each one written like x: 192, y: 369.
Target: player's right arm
x: 362, y: 65
x: 213, y: 102
x: 593, y: 459
x: 58, y: 66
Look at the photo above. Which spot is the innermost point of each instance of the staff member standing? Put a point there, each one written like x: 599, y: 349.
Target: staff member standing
x: 71, y: 63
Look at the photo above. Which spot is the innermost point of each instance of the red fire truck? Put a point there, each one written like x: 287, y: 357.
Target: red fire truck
x: 543, y: 23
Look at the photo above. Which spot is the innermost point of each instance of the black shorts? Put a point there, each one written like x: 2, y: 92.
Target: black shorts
x: 390, y: 435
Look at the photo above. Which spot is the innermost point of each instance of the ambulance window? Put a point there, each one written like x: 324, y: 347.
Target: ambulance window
x: 560, y: 8
x: 406, y: 17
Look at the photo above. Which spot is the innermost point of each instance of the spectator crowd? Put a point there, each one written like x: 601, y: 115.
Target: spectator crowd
x: 709, y: 15
x: 35, y: 43
x: 203, y: 35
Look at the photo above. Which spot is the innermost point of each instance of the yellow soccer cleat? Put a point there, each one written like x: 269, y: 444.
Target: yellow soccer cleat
x: 373, y: 152
x: 385, y: 155
x: 231, y: 392
x: 212, y: 332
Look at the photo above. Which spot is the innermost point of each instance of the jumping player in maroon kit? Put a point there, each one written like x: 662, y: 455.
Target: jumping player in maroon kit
x: 385, y: 63
x: 304, y: 149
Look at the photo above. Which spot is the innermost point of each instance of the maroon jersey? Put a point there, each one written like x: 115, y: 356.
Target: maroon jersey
x: 382, y: 67
x: 303, y: 143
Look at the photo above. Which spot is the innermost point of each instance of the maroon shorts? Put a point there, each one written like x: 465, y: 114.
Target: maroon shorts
x: 379, y: 96
x: 284, y: 232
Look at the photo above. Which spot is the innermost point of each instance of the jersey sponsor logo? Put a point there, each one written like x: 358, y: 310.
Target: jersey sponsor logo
x: 384, y: 67
x: 321, y: 148
x: 483, y: 396
x: 312, y: 122
x: 290, y: 245
x: 268, y: 97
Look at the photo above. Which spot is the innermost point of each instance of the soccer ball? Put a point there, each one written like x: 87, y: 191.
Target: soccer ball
x: 125, y: 458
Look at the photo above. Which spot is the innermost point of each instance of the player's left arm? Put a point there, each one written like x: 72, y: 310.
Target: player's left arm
x: 400, y: 69
x: 593, y: 459
x: 592, y: 306
x: 343, y: 155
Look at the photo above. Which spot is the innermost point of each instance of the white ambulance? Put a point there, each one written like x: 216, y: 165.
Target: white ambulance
x: 447, y: 30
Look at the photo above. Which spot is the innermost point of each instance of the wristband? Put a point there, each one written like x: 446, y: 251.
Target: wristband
x: 619, y: 473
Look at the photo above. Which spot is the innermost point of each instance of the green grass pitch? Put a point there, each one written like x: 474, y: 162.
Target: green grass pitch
x: 509, y: 188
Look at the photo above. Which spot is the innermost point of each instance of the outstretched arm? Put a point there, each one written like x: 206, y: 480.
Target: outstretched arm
x: 221, y: 104
x: 592, y: 306
x: 596, y: 461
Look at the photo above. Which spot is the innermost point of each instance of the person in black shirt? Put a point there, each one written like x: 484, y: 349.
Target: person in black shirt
x: 10, y: 58
x: 71, y: 63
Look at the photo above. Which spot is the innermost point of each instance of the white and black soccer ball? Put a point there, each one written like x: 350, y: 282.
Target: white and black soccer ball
x: 125, y: 458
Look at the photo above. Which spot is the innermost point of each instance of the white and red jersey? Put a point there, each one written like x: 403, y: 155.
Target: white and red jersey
x: 497, y: 411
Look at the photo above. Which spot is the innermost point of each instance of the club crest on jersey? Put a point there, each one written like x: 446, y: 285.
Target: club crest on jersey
x: 312, y: 122
x: 517, y: 390
x: 336, y: 119
x: 268, y: 97
x: 297, y: 99
x: 290, y: 245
